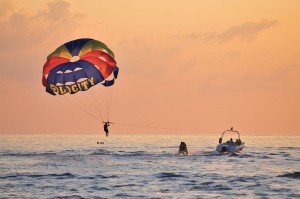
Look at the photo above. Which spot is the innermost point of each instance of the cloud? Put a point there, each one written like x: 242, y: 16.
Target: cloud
x: 21, y: 29
x: 27, y: 38
x: 57, y: 11
x: 151, y: 58
x: 5, y: 7
x: 245, y: 32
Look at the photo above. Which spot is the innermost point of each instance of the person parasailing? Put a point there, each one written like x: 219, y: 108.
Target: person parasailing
x: 105, y: 127
x: 83, y: 68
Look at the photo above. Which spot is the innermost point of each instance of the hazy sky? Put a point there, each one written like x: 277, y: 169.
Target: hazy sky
x: 205, y: 65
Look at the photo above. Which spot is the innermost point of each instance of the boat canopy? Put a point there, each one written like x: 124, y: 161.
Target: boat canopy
x: 231, y: 130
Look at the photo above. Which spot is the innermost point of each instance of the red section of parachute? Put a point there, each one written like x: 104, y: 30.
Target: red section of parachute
x: 50, y: 64
x: 106, y: 68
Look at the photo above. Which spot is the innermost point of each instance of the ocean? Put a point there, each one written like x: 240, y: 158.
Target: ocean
x: 146, y: 166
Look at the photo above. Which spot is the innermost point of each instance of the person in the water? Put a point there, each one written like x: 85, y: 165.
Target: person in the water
x: 183, y: 149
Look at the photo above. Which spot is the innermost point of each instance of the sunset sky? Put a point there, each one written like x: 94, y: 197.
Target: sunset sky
x: 202, y: 65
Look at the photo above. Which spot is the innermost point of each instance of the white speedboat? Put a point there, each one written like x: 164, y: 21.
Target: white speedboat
x: 230, y: 146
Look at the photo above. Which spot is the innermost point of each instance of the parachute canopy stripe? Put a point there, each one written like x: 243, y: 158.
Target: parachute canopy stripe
x: 95, y: 45
x: 96, y: 53
x: 61, y: 51
x: 75, y: 46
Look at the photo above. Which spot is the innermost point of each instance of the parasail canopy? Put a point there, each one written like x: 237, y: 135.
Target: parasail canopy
x: 79, y: 65
x: 86, y: 68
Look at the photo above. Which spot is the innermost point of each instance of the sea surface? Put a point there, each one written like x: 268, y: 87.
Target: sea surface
x: 146, y: 166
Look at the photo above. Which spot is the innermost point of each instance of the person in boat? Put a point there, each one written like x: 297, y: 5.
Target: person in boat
x: 105, y: 127
x: 238, y: 141
x: 220, y: 140
x: 231, y: 143
x: 183, y: 149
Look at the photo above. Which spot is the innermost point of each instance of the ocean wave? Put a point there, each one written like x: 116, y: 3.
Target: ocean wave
x: 138, y: 153
x: 125, y: 195
x: 106, y: 177
x: 264, y: 157
x: 242, y: 179
x: 210, y: 187
x: 221, y: 187
x: 27, y: 175
x: 97, y: 177
x: 141, y: 154
x: 207, y: 153
x: 26, y: 154
x: 169, y: 175
x: 100, y: 152
x: 124, y: 185
x: 122, y: 153
x: 96, y: 188
x: 283, y: 147
x: 245, y: 155
x: 295, y: 175
x: 292, y: 148
x: 207, y: 183
x: 71, y: 196
x: 283, y: 154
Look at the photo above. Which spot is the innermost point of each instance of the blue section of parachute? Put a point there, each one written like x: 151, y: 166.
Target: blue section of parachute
x: 65, y: 73
x: 75, y: 46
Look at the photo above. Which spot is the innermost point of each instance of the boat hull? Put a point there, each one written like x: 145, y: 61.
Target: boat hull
x: 225, y: 148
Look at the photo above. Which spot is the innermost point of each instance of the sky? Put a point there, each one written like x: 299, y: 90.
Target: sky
x: 199, y: 65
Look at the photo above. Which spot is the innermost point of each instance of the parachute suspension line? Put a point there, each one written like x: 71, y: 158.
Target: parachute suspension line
x: 164, y: 128
x: 104, y: 96
x: 80, y: 107
x: 109, y: 102
x: 92, y: 103
x: 98, y: 100
x: 106, y: 102
x: 89, y: 103
x: 97, y: 104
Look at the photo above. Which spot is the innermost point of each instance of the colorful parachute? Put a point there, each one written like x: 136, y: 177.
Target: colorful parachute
x: 78, y: 66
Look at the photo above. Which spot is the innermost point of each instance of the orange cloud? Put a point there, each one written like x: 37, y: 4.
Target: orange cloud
x: 20, y: 29
x: 245, y: 32
x: 5, y: 7
x: 25, y: 35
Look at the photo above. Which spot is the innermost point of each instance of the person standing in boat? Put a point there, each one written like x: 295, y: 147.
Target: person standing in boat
x: 231, y: 143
